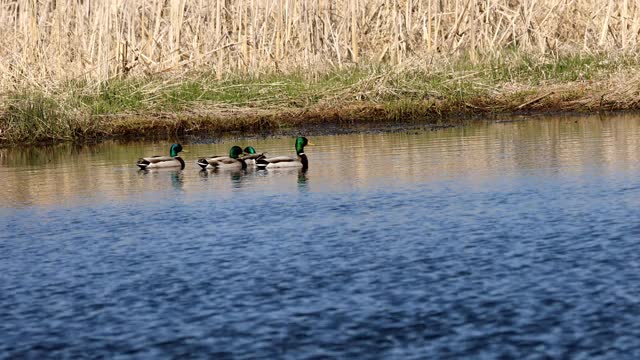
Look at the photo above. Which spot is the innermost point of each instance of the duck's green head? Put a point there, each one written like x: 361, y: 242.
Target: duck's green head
x: 175, y: 149
x: 235, y: 151
x: 249, y: 150
x: 301, y: 142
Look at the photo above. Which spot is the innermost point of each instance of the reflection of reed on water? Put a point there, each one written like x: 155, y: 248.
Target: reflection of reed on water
x: 40, y: 155
x: 56, y: 174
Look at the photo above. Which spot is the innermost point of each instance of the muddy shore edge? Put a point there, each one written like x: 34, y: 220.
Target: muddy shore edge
x: 360, y: 117
x: 352, y: 119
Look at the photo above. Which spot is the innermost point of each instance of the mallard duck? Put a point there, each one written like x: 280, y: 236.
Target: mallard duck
x: 224, y: 162
x: 287, y: 161
x: 251, y: 156
x: 173, y: 160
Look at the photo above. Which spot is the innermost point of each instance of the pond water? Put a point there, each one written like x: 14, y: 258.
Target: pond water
x: 494, y: 240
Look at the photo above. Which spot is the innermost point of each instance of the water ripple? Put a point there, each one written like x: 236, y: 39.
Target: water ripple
x: 487, y: 248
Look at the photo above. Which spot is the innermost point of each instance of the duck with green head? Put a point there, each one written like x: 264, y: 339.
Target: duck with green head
x: 233, y: 161
x: 173, y: 160
x: 300, y: 160
x: 251, y: 156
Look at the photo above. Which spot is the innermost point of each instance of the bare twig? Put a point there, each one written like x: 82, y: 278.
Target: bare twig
x: 535, y: 100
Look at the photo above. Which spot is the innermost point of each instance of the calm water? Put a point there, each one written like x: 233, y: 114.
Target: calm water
x: 505, y: 240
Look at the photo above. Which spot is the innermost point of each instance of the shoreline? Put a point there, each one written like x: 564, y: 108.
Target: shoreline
x: 200, y: 106
x: 364, y: 120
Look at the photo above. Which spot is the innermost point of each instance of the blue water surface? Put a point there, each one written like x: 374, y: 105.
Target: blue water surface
x: 533, y: 262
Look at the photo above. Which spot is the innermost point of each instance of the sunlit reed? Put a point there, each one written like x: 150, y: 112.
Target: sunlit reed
x: 46, y: 42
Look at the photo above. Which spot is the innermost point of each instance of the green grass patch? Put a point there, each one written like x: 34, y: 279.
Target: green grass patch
x: 75, y: 110
x: 33, y: 118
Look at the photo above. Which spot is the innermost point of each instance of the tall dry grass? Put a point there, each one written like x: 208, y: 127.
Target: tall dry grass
x: 47, y: 42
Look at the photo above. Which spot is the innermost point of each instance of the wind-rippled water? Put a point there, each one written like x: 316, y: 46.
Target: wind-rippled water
x: 506, y: 240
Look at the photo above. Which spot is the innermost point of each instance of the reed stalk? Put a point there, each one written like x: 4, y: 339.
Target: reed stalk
x: 48, y: 42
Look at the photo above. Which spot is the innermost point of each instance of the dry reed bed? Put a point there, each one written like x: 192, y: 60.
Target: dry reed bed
x: 46, y: 42
x: 54, y: 52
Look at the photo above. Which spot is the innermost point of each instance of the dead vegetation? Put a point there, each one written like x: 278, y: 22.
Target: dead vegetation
x: 46, y: 42
x: 72, y: 70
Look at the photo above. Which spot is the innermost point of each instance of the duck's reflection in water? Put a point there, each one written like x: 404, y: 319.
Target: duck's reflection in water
x: 302, y: 177
x: 175, y: 175
x: 236, y: 178
x: 303, y: 180
x: 177, y: 179
x: 236, y: 175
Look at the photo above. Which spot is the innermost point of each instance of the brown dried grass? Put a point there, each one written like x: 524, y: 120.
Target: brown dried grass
x: 47, y: 42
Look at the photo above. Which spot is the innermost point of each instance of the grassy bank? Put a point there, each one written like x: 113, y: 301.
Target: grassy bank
x: 198, y: 103
x: 84, y: 70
